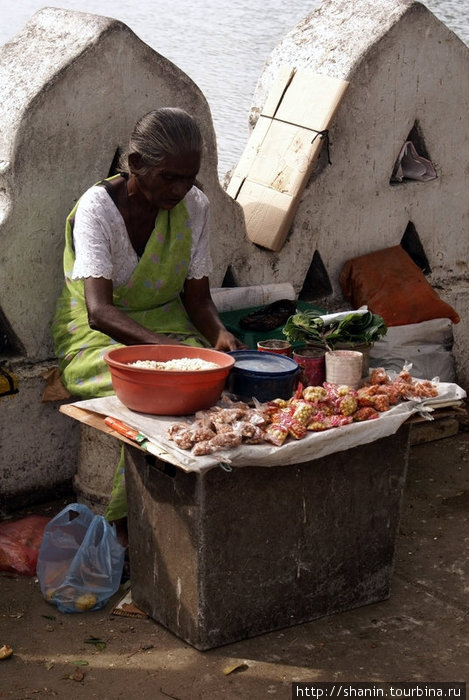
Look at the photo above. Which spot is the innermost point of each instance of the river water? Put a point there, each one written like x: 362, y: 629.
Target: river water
x: 221, y: 46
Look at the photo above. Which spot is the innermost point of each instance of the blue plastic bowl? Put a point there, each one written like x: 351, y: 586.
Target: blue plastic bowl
x: 262, y: 375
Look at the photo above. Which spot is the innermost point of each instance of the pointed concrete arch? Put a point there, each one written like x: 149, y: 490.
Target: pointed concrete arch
x: 72, y: 87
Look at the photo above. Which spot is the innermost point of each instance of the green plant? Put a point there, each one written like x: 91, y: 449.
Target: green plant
x: 354, y: 329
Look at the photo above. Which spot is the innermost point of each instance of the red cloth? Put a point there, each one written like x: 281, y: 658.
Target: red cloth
x: 20, y: 541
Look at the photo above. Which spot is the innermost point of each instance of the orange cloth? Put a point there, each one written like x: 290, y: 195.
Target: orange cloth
x: 393, y: 286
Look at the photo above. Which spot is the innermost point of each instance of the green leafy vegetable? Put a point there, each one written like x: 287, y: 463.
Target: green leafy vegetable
x: 354, y: 329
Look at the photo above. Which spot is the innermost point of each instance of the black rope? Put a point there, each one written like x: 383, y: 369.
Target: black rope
x: 324, y: 134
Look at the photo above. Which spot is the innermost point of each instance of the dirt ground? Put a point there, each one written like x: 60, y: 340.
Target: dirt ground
x: 421, y: 633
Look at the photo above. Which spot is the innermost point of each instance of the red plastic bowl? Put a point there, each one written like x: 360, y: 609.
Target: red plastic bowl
x: 163, y: 392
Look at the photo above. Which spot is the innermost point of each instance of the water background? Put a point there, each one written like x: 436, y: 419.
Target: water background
x: 221, y: 46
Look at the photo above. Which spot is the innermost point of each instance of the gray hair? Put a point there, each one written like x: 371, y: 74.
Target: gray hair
x: 162, y: 132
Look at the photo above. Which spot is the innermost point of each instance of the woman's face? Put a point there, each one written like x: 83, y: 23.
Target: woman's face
x: 167, y: 184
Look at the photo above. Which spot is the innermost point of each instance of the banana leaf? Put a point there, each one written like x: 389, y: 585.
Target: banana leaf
x: 354, y: 329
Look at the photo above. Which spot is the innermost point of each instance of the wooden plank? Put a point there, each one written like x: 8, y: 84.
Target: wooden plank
x: 266, y: 221
x: 94, y: 420
x: 311, y: 100
x: 248, y: 157
x: 285, y: 158
x: 446, y: 423
x: 427, y: 431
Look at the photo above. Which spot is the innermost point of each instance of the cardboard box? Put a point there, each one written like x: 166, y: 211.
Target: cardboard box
x: 279, y: 157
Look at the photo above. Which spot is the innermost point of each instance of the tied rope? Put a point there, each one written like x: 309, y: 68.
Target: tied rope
x: 324, y: 134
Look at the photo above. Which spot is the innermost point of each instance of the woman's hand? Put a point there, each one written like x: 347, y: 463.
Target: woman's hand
x: 226, y: 341
x: 204, y: 315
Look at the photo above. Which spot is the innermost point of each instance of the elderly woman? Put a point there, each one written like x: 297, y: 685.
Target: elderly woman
x: 136, y: 263
x: 137, y: 257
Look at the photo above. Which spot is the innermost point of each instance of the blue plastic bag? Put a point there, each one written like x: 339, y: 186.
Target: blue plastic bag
x: 80, y: 560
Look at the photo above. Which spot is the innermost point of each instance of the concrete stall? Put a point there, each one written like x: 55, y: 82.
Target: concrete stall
x: 221, y: 556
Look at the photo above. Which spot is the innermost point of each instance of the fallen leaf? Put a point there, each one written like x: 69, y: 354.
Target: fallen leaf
x: 5, y: 652
x: 80, y: 663
x: 235, y: 667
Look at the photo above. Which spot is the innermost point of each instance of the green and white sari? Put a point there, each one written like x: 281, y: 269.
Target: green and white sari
x: 151, y: 297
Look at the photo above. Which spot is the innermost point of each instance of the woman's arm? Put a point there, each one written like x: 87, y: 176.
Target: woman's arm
x: 204, y: 315
x: 105, y: 317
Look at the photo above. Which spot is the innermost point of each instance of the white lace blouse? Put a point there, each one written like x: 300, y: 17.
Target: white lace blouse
x: 103, y: 247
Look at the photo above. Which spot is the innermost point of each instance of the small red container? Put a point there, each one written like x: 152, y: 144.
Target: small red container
x: 278, y: 347
x: 164, y: 392
x: 312, y: 365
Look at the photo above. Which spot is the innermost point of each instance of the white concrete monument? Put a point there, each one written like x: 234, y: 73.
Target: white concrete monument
x: 409, y: 80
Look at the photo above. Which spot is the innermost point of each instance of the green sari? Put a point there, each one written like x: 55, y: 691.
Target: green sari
x: 151, y: 297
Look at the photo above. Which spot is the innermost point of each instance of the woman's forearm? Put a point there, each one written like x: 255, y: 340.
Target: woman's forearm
x: 103, y: 316
x: 123, y: 329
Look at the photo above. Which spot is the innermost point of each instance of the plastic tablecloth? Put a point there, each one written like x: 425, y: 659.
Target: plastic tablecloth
x: 312, y: 446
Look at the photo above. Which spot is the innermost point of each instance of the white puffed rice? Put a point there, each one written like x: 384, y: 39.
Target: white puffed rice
x: 184, y: 364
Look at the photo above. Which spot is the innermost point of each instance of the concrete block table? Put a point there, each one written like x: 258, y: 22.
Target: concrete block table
x: 220, y: 556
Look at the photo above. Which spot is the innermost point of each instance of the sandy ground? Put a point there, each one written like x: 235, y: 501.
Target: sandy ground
x: 421, y: 633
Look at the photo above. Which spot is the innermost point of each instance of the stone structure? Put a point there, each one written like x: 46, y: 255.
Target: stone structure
x: 73, y: 84
x: 409, y: 76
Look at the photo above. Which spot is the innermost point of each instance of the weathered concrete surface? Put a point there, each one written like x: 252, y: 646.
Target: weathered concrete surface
x: 404, y: 66
x: 420, y: 633
x: 72, y: 87
x: 38, y: 445
x: 98, y: 457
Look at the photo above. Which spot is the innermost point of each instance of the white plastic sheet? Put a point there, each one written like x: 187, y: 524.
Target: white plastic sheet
x: 235, y: 298
x: 426, y: 345
x: 313, y: 446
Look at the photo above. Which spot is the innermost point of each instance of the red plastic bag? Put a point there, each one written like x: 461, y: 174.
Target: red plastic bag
x: 393, y: 286
x: 20, y: 541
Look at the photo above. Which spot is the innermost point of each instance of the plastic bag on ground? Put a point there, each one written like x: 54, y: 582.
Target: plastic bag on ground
x: 412, y: 166
x: 80, y: 561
